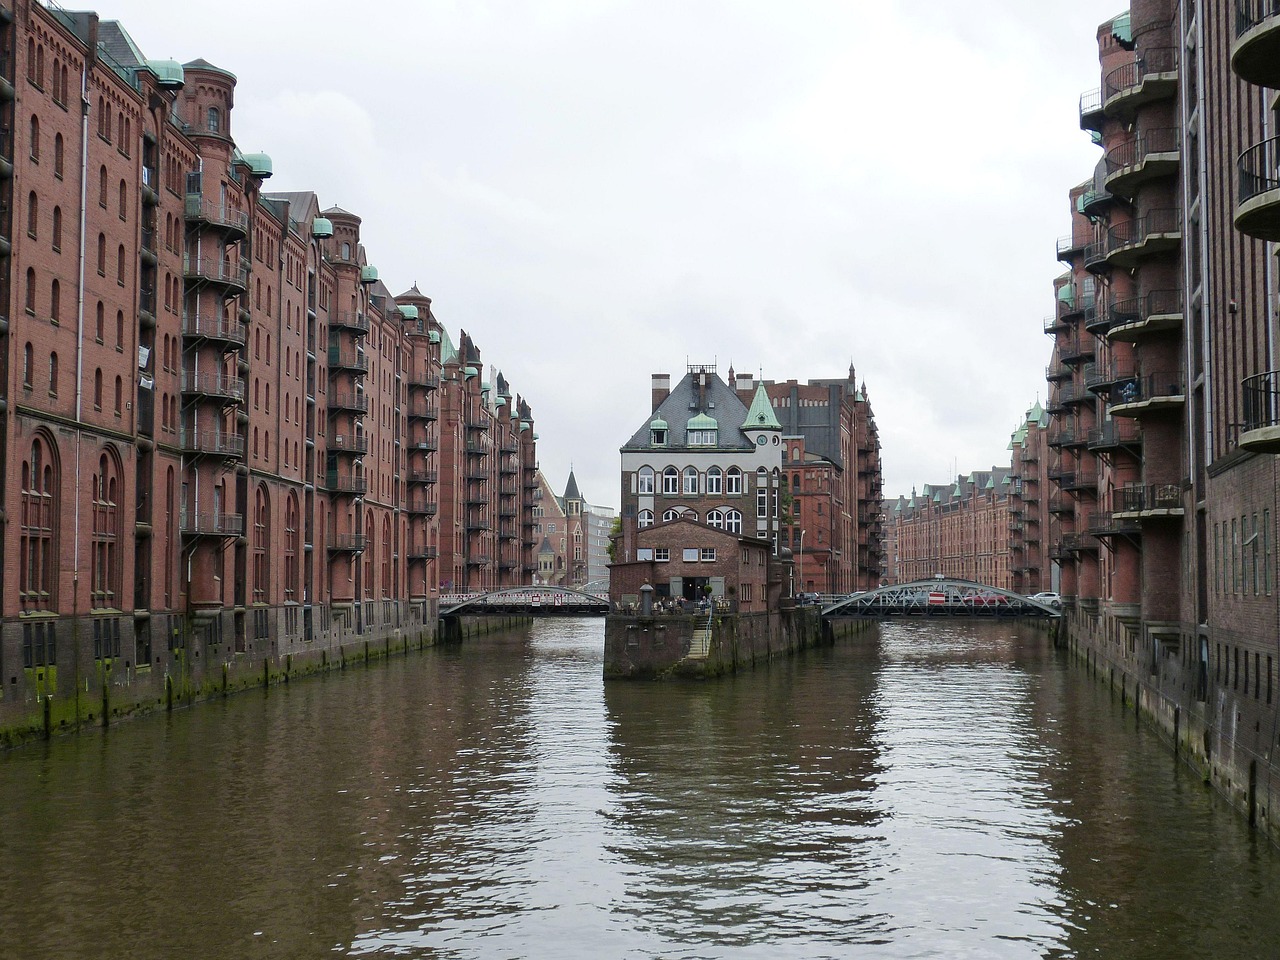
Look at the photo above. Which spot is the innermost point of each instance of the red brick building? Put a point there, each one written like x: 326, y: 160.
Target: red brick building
x: 225, y: 432
x: 1163, y: 403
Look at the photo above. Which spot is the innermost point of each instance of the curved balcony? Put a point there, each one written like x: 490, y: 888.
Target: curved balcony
x: 1150, y: 501
x: 349, y: 443
x: 1095, y: 256
x: 216, y: 328
x: 231, y: 275
x: 213, y: 385
x: 1255, y: 54
x: 1094, y: 203
x: 1258, y: 204
x: 211, y: 443
x: 354, y: 321
x: 1260, y: 399
x: 1069, y: 247
x: 1091, y: 115
x: 1148, y: 395
x: 1078, y: 350
x: 1151, y: 154
x: 1056, y: 372
x: 1156, y: 232
x: 1054, y: 324
x: 1115, y: 435
x: 1158, y: 313
x: 233, y: 223
x: 342, y: 401
x: 1151, y: 76
x: 340, y: 359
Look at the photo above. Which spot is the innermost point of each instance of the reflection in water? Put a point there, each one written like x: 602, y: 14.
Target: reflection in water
x: 941, y: 789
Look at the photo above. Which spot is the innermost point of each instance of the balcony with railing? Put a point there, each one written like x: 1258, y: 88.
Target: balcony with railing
x: 1070, y: 246
x: 1255, y: 54
x: 1151, y: 76
x: 425, y: 477
x: 1154, y: 233
x: 214, y: 327
x: 422, y: 410
x: 355, y: 444
x: 1258, y: 201
x: 346, y: 542
x: 213, y: 385
x: 1148, y: 155
x: 425, y: 444
x: 423, y: 506
x: 427, y: 551
x: 423, y: 381
x: 195, y: 524
x: 348, y: 401
x: 1057, y: 371
x: 1116, y: 435
x: 198, y: 209
x: 1148, y: 394
x: 1105, y: 523
x: 1091, y: 115
x: 1154, y: 314
x: 1260, y: 404
x: 1078, y: 350
x: 346, y: 484
x: 211, y: 443
x: 231, y: 274
x: 340, y: 359
x: 1150, y: 501
x: 354, y: 321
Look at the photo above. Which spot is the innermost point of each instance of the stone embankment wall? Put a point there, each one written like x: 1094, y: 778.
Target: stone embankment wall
x: 672, y: 646
x: 1223, y: 729
x: 84, y: 690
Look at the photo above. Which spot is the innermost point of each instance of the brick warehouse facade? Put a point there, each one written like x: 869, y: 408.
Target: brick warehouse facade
x: 1163, y: 404
x: 230, y: 442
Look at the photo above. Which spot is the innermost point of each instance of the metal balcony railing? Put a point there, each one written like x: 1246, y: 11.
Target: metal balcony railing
x: 1128, y: 77
x: 211, y: 443
x: 214, y: 327
x: 1260, y: 399
x: 211, y: 524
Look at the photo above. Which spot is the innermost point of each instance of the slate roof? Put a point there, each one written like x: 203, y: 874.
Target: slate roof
x: 571, y: 488
x: 680, y: 406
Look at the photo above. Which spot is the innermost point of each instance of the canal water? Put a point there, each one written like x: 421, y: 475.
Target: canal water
x: 948, y: 790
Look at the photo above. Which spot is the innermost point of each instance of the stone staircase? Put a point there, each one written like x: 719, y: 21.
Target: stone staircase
x: 699, y: 645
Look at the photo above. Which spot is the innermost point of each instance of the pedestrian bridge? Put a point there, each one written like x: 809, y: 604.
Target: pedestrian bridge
x: 937, y: 597
x: 525, y: 602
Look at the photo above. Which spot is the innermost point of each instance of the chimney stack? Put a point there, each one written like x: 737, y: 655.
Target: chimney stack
x: 661, y: 388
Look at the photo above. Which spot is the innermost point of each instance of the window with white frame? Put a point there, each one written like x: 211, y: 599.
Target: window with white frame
x: 671, y: 481
x: 715, y: 518
x: 691, y: 481
x: 762, y: 502
x: 708, y: 555
x: 644, y: 553
x: 644, y: 480
x: 733, y: 481
x: 701, y: 438
x: 714, y: 481
x: 662, y: 554
x: 690, y: 554
x: 733, y: 521
x: 672, y: 514
x: 645, y: 519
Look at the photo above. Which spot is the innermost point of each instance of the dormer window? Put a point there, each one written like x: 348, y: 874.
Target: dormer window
x: 702, y: 431
x: 659, y: 438
x: 658, y: 432
x: 702, y: 438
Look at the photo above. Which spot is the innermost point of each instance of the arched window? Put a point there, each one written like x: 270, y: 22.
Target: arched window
x: 119, y: 329
x: 715, y: 481
x: 30, y: 300
x: 120, y: 265
x: 26, y: 366
x: 97, y: 389
x: 733, y: 481
x: 35, y: 138
x: 55, y: 301
x: 102, y: 254
x: 690, y: 481
x: 645, y: 519
x: 33, y: 215
x: 368, y: 555
x: 53, y: 374
x: 57, y: 229
x: 733, y: 521
x: 31, y: 59
x: 104, y: 121
x: 715, y: 518
x: 291, y: 550
x: 386, y: 557
x: 106, y: 535
x: 261, y: 545
x: 675, y: 513
x: 644, y: 480
x: 102, y: 187
x: 40, y: 67
x: 119, y: 399
x: 214, y: 117
x: 124, y: 200
x: 670, y: 481
x: 58, y: 153
x: 38, y: 546
x: 53, y: 76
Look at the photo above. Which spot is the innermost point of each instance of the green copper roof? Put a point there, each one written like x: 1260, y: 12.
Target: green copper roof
x: 447, y: 350
x: 1035, y: 413
x: 761, y: 416
x: 657, y: 423
x: 703, y: 422
x: 470, y: 372
x: 1122, y: 28
x: 991, y: 484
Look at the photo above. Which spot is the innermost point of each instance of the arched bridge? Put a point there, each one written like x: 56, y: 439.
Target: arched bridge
x: 526, y: 602
x: 938, y: 597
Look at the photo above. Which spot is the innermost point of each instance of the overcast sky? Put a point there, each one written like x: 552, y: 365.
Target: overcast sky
x: 600, y: 191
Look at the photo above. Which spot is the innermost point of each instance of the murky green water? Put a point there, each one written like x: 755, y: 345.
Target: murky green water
x: 937, y: 790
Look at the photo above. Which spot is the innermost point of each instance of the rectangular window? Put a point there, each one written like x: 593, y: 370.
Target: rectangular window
x: 713, y: 481
x: 691, y: 482
x: 1253, y: 555
x: 690, y: 555
x: 762, y: 503
x: 662, y: 554
x: 1266, y: 551
x: 733, y: 483
x: 708, y: 554
x: 644, y: 553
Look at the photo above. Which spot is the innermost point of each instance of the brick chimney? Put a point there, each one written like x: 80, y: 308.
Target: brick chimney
x: 661, y: 388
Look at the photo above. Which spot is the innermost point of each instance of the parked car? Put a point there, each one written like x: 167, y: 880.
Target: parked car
x: 1052, y: 599
x: 988, y: 598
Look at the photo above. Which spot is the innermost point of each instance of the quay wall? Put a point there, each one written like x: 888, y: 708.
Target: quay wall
x: 668, y: 646
x: 179, y: 662
x: 1224, y: 730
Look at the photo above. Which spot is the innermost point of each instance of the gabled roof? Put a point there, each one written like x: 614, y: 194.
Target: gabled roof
x: 681, y: 404
x: 571, y: 488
